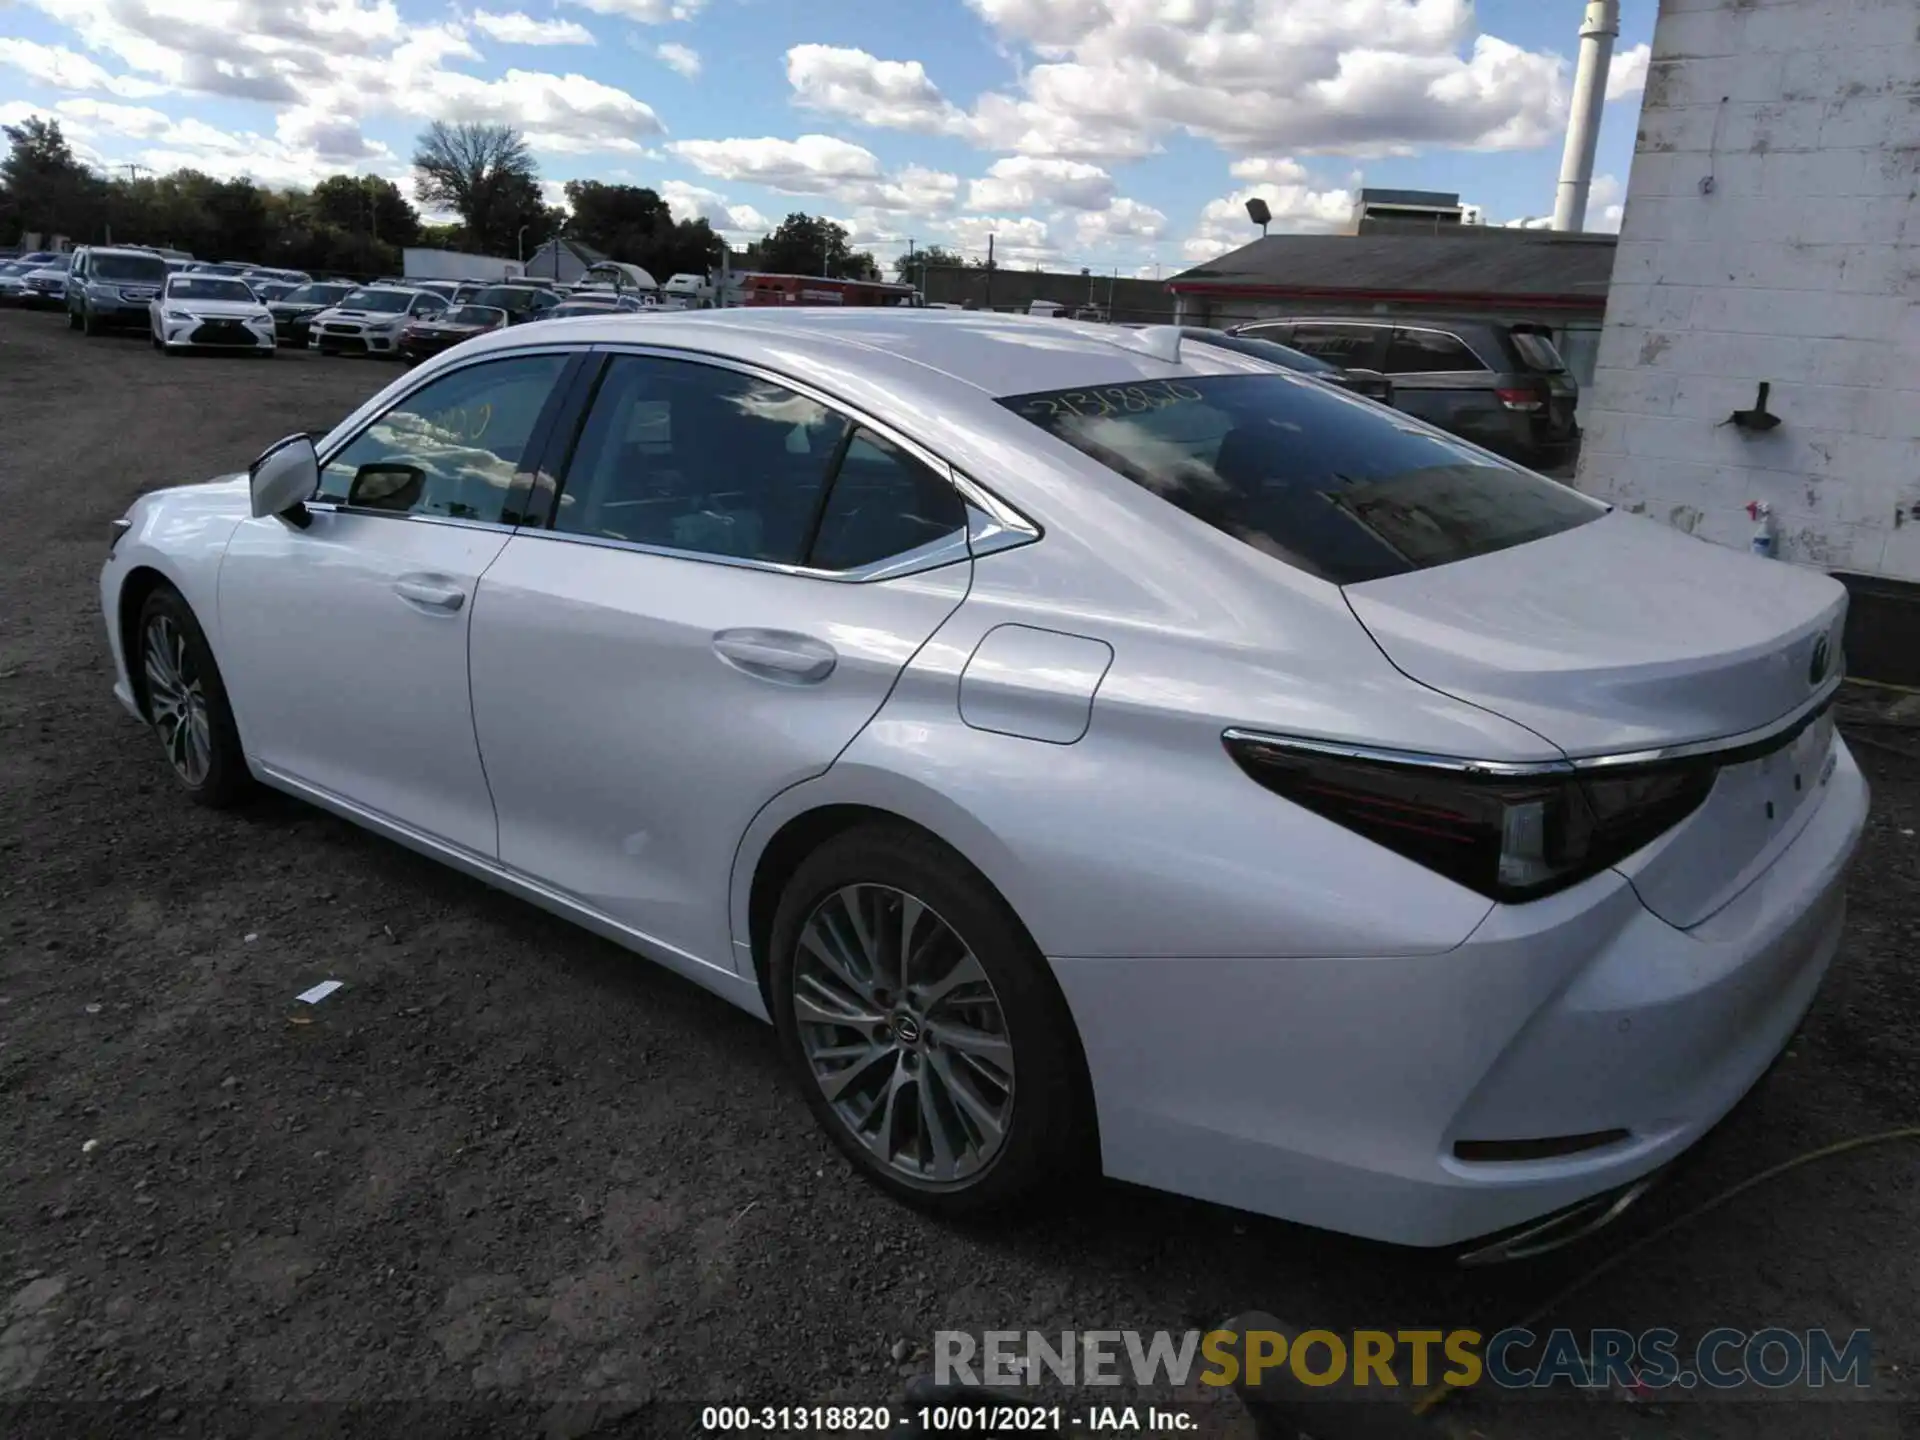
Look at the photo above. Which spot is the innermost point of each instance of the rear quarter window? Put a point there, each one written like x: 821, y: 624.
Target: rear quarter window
x: 1316, y: 479
x: 1538, y: 352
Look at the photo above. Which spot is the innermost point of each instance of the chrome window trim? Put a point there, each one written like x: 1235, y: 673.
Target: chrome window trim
x: 991, y: 524
x: 1760, y: 740
x: 340, y: 507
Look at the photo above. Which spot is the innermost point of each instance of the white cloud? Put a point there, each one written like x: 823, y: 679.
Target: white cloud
x: 644, y: 12
x: 821, y: 165
x: 891, y: 94
x: 1124, y: 220
x: 1021, y: 241
x: 518, y: 28
x: 694, y: 202
x: 1297, y: 207
x: 683, y: 58
x: 1627, y: 75
x: 348, y: 60
x: 59, y: 68
x: 1360, y: 77
x: 1024, y: 182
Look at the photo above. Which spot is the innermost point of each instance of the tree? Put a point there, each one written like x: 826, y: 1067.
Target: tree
x: 365, y: 203
x: 810, y: 245
x: 48, y: 190
x: 486, y: 174
x: 632, y: 223
x: 910, y: 266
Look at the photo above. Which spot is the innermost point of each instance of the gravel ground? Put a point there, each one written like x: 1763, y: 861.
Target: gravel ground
x: 510, y: 1163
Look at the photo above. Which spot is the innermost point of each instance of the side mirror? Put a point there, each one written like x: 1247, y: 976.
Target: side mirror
x: 283, y: 478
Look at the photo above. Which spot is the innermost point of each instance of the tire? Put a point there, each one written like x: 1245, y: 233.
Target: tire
x: 1047, y: 1133
x: 73, y: 319
x: 187, y: 670
x: 88, y: 325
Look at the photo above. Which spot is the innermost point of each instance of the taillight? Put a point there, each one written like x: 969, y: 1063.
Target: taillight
x: 1510, y: 837
x: 1520, y: 398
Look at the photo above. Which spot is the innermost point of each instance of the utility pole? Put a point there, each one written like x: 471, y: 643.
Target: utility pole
x: 989, y: 304
x: 133, y: 171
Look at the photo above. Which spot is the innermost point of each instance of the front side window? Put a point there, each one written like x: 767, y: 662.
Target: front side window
x: 688, y: 456
x: 1416, y: 352
x: 1342, y: 490
x: 451, y: 448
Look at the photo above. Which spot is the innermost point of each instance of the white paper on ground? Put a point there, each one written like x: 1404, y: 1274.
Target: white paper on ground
x: 318, y: 992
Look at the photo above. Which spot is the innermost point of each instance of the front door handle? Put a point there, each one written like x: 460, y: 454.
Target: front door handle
x: 430, y: 595
x: 777, y: 655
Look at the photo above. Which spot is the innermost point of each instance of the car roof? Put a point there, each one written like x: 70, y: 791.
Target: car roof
x: 930, y: 351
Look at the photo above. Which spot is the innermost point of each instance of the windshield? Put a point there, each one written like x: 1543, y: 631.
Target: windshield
x: 475, y: 315
x: 1313, y: 477
x: 207, y: 287
x: 1271, y: 351
x: 511, y: 298
x: 385, y: 302
x: 150, y: 268
x: 568, y: 308
x: 318, y: 294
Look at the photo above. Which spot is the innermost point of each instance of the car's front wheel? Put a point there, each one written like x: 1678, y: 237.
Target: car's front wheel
x: 187, y: 702
x: 88, y: 324
x: 73, y: 318
x: 926, y: 1031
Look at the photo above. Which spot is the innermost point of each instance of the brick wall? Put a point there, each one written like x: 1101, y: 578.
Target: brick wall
x: 1772, y: 232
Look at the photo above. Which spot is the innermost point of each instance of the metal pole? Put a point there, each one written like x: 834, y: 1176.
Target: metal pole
x: 989, y: 302
x: 1597, y: 34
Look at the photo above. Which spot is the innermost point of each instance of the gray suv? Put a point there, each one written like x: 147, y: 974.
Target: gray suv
x: 1500, y: 384
x: 108, y: 287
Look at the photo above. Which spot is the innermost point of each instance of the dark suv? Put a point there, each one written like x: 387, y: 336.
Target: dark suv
x: 1500, y: 384
x: 109, y: 287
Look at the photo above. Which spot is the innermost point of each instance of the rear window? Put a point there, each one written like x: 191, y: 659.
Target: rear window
x: 1312, y: 477
x: 1538, y: 351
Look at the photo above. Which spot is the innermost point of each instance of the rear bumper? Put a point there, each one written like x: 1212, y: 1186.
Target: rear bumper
x: 1332, y: 1092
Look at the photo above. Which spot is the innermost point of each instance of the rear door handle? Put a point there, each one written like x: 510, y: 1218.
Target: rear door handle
x: 430, y: 595
x: 777, y: 655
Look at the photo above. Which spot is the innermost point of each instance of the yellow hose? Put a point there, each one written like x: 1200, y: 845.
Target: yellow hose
x: 1911, y: 1132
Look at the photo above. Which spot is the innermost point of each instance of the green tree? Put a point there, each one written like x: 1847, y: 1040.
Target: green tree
x: 632, y: 223
x: 910, y: 266
x: 365, y: 203
x: 48, y: 189
x: 811, y: 245
x: 486, y: 175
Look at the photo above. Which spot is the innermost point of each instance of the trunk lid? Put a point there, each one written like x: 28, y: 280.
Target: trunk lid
x: 1624, y: 635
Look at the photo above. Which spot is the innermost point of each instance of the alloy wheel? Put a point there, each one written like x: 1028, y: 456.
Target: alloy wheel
x: 177, y: 700
x: 904, y: 1034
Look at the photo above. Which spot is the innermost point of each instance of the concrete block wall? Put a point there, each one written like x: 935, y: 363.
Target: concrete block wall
x: 1772, y: 232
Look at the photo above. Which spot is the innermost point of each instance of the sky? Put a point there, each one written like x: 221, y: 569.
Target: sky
x: 1115, y: 135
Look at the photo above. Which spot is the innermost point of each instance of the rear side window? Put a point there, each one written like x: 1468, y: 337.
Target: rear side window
x: 1347, y: 346
x: 694, y: 457
x: 1538, y: 351
x: 883, y: 503
x: 1342, y: 490
x: 1414, y: 352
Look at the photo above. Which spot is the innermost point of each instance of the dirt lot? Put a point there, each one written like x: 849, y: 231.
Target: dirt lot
x: 510, y: 1163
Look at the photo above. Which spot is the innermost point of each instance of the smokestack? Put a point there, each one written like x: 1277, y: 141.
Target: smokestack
x: 1597, y: 34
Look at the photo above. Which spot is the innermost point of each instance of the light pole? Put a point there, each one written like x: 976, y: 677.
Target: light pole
x: 520, y: 246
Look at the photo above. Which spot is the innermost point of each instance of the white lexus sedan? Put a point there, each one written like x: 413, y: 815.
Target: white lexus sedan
x: 1086, y: 749
x: 209, y: 312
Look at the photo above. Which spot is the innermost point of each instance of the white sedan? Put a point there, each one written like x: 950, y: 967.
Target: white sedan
x: 1086, y: 749
x: 209, y: 312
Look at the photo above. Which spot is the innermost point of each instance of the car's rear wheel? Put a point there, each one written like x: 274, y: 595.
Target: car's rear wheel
x: 187, y: 703
x: 925, y: 1029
